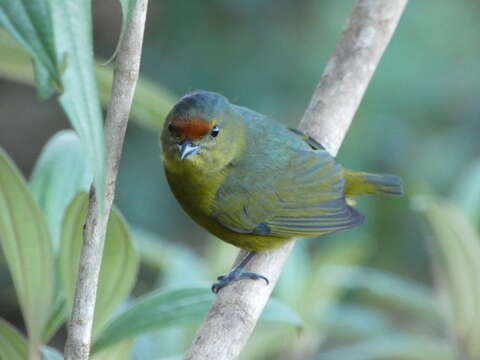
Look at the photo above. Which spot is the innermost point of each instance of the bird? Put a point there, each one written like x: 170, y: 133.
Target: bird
x: 255, y: 183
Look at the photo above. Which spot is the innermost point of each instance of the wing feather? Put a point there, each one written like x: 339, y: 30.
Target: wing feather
x: 307, y: 199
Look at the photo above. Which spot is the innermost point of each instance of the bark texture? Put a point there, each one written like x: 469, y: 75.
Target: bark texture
x: 370, y: 26
x: 124, y: 81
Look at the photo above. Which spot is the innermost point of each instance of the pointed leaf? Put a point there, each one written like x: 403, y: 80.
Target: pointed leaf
x: 320, y: 291
x: 67, y: 41
x: 127, y: 7
x: 151, y: 102
x: 456, y: 250
x: 15, y: 63
x: 176, y: 307
x: 351, y: 321
x: 467, y: 191
x: 72, y: 25
x: 13, y: 345
x: 60, y: 172
x: 388, y: 289
x: 393, y: 346
x: 119, y: 254
x: 27, y: 249
x: 29, y: 22
x: 59, y: 312
x: 159, y: 309
x: 119, y: 351
x: 119, y: 263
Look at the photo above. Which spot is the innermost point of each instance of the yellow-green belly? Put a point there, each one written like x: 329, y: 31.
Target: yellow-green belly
x: 195, y: 200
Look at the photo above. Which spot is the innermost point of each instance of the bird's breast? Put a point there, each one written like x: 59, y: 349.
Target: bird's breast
x: 195, y: 190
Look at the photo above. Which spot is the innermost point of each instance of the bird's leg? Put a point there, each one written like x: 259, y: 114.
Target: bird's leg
x: 237, y: 273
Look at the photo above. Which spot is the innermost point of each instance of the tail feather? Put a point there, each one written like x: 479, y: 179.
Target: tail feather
x: 359, y: 183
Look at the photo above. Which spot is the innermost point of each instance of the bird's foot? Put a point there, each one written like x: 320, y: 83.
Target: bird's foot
x: 224, y: 280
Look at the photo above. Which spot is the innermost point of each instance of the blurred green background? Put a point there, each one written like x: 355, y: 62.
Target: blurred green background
x: 419, y: 119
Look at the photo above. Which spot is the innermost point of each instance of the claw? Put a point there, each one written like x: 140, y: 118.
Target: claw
x: 253, y: 276
x: 216, y: 288
x: 234, y: 276
x: 237, y: 273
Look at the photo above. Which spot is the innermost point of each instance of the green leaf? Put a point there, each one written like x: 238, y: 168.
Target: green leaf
x: 15, y: 63
x: 27, y: 249
x: 114, y: 285
x: 127, y: 7
x: 456, y: 250
x: 119, y: 262
x: 59, y: 312
x: 13, y: 345
x: 318, y: 291
x: 154, y: 311
x: 60, y: 172
x: 67, y: 41
x: 175, y: 307
x: 392, y: 346
x: 72, y: 25
x: 352, y: 321
x: 30, y: 23
x: 467, y: 191
x: 389, y: 290
x: 119, y: 351
x: 151, y: 102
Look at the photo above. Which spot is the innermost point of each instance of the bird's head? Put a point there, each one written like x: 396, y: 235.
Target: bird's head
x: 202, y: 130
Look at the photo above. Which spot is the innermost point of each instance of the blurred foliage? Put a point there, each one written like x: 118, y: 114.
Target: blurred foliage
x: 150, y: 104
x: 62, y: 53
x: 118, y: 253
x: 404, y: 286
x: 24, y: 239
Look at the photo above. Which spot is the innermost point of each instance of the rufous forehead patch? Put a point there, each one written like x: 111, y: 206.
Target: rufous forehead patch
x: 192, y: 128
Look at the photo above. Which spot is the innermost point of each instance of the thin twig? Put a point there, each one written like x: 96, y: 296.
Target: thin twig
x: 124, y: 81
x: 234, y: 314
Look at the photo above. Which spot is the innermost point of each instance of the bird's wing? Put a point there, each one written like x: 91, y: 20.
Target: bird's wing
x: 305, y: 199
x: 314, y: 144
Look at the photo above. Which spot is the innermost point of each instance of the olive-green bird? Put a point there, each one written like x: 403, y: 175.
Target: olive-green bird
x: 255, y: 183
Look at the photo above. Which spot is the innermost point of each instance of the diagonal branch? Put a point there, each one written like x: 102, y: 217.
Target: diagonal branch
x: 124, y: 81
x: 234, y: 314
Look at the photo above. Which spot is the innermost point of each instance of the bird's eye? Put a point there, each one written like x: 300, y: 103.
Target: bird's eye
x: 170, y: 128
x: 215, y: 130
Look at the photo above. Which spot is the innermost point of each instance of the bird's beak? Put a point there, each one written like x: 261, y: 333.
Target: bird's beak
x: 187, y: 149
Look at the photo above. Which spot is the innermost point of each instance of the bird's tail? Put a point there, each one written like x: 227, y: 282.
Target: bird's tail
x: 359, y: 183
